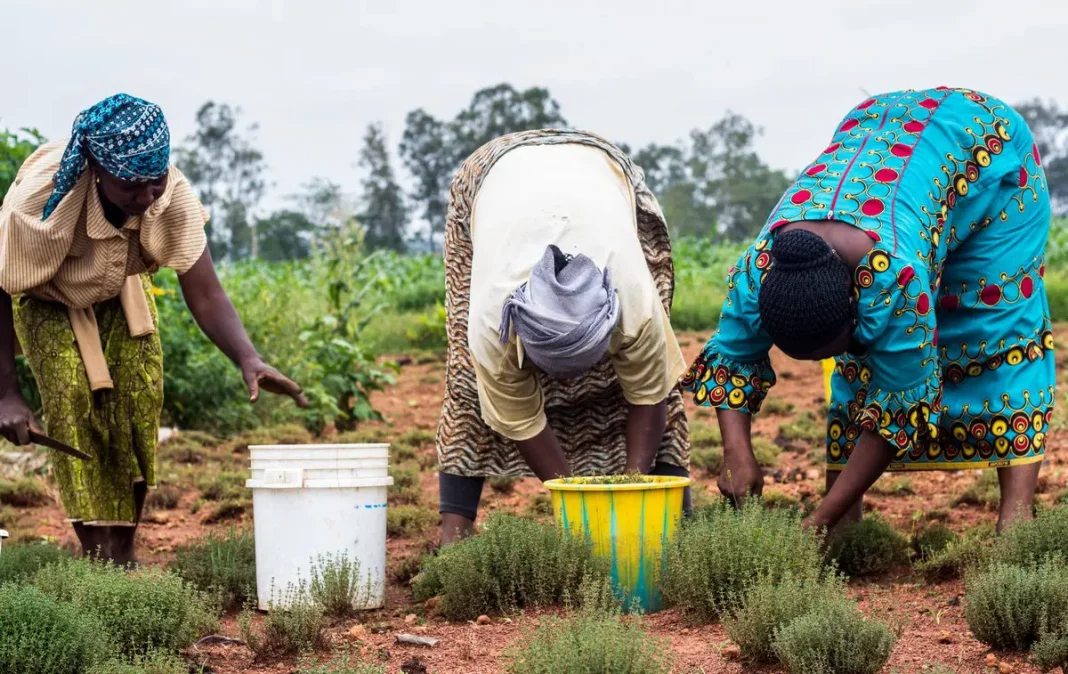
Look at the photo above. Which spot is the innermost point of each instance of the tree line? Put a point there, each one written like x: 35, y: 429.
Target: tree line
x: 711, y: 184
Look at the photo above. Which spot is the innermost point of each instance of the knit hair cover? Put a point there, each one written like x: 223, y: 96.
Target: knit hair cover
x: 805, y: 298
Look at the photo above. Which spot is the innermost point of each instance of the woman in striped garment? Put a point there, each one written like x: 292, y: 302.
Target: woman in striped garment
x: 81, y: 229
x: 561, y: 357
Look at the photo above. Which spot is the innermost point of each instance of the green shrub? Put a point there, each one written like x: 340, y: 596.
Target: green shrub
x: 703, y: 436
x: 769, y: 607
x: 933, y: 540
x: 777, y: 407
x: 870, y: 547
x: 428, y: 333
x: 803, y: 428
x: 891, y: 486
x: 1009, y: 606
x: 766, y: 452
x: 338, y: 586
x: 293, y: 624
x: 591, y: 641
x: 1051, y: 651
x: 512, y: 563
x: 24, y: 492
x: 406, y: 521
x: 225, y: 511
x: 406, y: 488
x: 503, y: 485
x: 777, y: 498
x: 163, y: 497
x: 39, y: 635
x: 145, y: 610
x: 722, y: 553
x: 19, y: 562
x: 968, y: 551
x: 1033, y: 541
x: 223, y: 486
x: 224, y: 568
x: 539, y: 505
x: 834, y: 638
x: 340, y: 664
x: 983, y: 492
x: 153, y: 663
x: 709, y: 459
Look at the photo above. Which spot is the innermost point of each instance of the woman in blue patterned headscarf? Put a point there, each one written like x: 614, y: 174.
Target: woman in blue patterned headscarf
x: 83, y: 226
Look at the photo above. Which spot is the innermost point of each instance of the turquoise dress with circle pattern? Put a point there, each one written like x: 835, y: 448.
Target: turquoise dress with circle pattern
x: 952, y: 307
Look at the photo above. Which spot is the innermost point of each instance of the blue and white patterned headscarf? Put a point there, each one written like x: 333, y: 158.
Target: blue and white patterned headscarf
x: 127, y: 136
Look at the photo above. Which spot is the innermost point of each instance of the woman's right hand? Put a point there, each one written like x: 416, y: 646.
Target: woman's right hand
x: 16, y: 418
x: 741, y: 476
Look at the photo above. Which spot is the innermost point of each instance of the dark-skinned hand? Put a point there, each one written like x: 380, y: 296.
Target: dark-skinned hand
x: 258, y: 376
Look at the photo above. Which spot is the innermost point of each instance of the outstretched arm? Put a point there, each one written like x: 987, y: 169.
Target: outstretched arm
x: 866, y: 464
x: 741, y: 475
x: 216, y: 316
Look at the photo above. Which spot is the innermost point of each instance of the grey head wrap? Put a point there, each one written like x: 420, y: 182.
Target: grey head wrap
x: 564, y: 315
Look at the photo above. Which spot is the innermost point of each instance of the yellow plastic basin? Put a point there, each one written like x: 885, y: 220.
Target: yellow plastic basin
x: 630, y: 525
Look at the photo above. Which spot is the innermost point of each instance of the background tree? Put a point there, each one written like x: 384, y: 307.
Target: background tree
x: 384, y: 216
x: 432, y: 150
x: 286, y: 235
x: 15, y: 148
x: 427, y: 157
x: 228, y: 173
x: 1049, y: 124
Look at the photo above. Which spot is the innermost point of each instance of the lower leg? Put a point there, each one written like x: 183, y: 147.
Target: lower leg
x: 458, y: 505
x: 852, y: 516
x: 455, y: 527
x: 1018, y: 484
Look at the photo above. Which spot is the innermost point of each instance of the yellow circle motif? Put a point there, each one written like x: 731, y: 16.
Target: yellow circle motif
x: 1039, y: 441
x: 1015, y: 356
x: 999, y: 426
x: 738, y: 381
x: 960, y: 432
x: 1002, y: 131
x: 880, y: 261
x: 982, y: 157
x: 960, y: 183
x: 1001, y: 445
x: 1047, y: 340
x: 835, y: 431
x: 736, y: 398
x: 1038, y: 422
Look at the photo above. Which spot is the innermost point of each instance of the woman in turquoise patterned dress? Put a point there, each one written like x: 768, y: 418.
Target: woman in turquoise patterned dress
x: 912, y: 251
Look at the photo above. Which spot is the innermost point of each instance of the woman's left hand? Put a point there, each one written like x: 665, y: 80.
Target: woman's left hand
x: 259, y: 375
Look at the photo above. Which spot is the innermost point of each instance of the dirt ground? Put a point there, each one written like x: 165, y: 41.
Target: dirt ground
x: 932, y: 615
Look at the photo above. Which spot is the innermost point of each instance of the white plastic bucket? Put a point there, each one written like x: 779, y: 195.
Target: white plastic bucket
x: 316, y: 500
x: 3, y: 535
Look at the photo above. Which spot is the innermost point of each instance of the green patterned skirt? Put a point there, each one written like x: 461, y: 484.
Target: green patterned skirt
x: 118, y: 427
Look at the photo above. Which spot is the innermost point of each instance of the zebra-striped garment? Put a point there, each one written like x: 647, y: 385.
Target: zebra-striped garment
x: 587, y: 414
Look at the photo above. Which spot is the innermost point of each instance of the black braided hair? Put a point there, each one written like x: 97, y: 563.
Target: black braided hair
x: 805, y: 297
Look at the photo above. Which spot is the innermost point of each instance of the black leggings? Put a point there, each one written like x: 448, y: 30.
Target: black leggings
x: 460, y: 495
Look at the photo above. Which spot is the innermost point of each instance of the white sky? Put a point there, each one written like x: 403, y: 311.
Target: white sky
x: 314, y: 73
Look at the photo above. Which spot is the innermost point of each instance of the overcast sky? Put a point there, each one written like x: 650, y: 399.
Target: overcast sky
x: 314, y: 73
